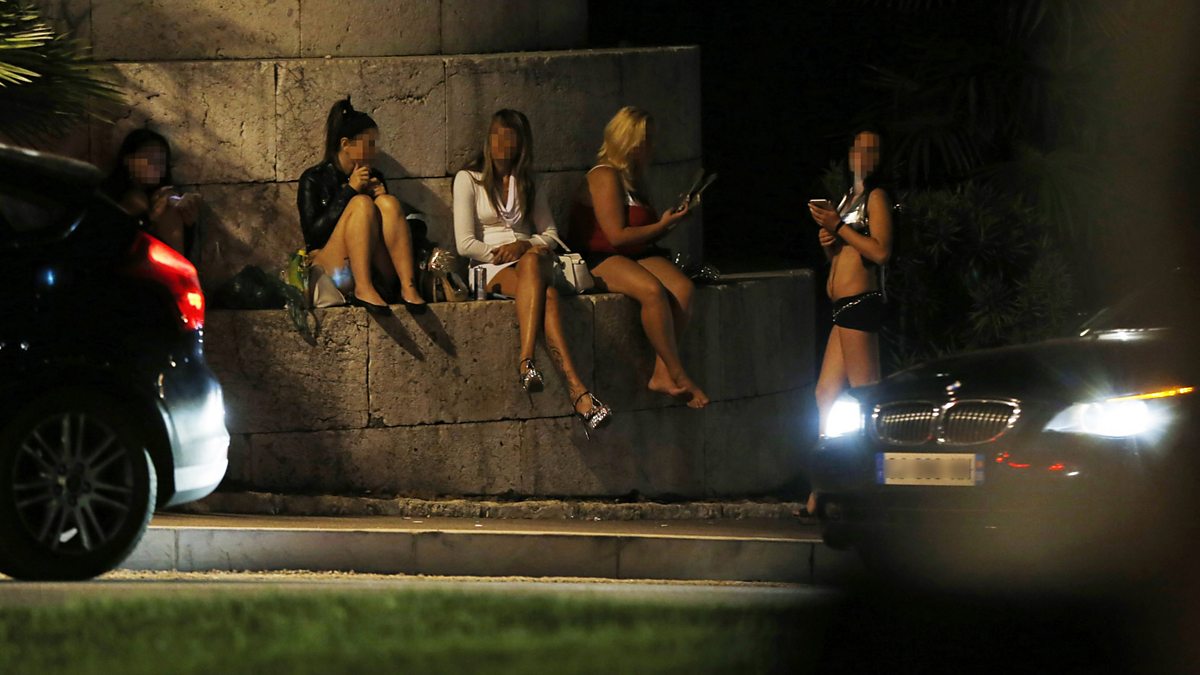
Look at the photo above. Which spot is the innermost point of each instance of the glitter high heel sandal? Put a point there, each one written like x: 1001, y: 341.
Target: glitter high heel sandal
x: 596, y: 417
x: 531, y: 378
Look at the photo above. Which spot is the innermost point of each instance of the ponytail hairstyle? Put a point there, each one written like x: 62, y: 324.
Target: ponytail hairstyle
x: 522, y: 163
x: 344, y: 122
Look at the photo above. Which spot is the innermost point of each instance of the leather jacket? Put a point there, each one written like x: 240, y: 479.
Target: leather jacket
x: 323, y: 194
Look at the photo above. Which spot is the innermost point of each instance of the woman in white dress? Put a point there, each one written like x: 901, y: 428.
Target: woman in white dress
x: 503, y: 223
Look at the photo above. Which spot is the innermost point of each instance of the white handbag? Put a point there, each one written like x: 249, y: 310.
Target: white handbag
x: 571, y: 273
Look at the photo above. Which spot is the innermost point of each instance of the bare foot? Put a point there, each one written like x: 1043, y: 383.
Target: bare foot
x: 664, y: 384
x: 698, y: 399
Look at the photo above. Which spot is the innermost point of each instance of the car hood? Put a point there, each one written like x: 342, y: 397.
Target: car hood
x: 1076, y: 369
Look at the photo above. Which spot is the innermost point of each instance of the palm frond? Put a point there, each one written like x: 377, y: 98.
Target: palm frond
x: 47, y: 85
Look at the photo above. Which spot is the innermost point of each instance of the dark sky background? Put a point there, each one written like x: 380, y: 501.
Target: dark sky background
x: 781, y: 90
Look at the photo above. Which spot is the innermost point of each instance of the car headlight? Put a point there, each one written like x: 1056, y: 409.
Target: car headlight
x: 1120, y: 417
x: 845, y: 417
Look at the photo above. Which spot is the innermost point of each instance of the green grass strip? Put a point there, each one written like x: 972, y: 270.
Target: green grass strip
x: 400, y: 632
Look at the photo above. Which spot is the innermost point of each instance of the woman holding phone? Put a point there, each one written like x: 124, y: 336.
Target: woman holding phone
x: 856, y: 237
x: 615, y: 227
x: 351, y: 225
x: 141, y: 183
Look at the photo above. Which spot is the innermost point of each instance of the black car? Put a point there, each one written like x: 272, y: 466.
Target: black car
x: 1046, y: 456
x: 107, y: 407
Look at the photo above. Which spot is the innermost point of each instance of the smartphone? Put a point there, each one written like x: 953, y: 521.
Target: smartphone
x: 699, y: 184
x: 822, y: 203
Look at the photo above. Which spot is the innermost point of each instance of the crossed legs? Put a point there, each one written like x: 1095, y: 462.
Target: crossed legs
x: 538, y: 312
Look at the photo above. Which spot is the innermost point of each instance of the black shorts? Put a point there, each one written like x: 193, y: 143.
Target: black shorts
x: 860, y: 312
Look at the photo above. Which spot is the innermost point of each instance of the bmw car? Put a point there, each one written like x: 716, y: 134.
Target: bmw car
x: 107, y: 406
x: 1046, y: 455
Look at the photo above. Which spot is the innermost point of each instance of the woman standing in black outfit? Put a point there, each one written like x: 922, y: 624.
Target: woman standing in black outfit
x: 350, y: 222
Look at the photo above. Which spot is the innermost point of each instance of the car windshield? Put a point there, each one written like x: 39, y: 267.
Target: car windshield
x: 1159, y: 304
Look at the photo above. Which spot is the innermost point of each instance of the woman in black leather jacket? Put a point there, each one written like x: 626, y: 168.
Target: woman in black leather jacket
x: 350, y: 222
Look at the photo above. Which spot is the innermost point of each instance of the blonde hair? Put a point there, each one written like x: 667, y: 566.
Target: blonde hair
x: 624, y: 132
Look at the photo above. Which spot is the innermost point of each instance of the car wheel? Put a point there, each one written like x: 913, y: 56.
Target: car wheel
x: 77, y: 488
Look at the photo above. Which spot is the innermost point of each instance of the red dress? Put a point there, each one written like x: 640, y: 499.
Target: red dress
x: 587, y: 236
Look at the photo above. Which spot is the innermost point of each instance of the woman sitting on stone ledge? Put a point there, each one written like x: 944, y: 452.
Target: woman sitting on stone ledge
x: 615, y: 227
x: 141, y: 183
x: 351, y: 225
x: 497, y: 208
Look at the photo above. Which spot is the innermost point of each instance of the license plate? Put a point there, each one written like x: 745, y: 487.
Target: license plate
x: 928, y: 468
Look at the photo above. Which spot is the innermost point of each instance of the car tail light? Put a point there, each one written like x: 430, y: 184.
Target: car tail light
x: 154, y: 260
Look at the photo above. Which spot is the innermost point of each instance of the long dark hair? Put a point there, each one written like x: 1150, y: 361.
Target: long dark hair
x: 879, y: 177
x: 344, y: 122
x: 119, y: 181
x: 521, y: 171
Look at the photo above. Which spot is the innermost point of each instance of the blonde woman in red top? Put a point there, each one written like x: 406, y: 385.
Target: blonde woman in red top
x: 615, y: 227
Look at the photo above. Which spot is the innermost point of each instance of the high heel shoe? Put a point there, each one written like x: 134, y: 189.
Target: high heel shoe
x: 452, y: 286
x: 596, y: 417
x: 531, y: 378
x: 442, y: 268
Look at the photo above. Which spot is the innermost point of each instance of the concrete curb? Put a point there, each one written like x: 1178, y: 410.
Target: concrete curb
x: 271, y: 504
x: 757, y: 551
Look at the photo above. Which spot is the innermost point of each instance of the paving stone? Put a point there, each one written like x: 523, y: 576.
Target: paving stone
x: 155, y: 552
x: 275, y: 381
x: 500, y: 555
x: 150, y: 30
x: 568, y: 97
x: 425, y: 460
x: 655, y: 453
x: 406, y: 96
x: 646, y: 558
x: 757, y: 446
x: 370, y: 27
x: 218, y: 117
x: 666, y: 83
x: 208, y: 549
x: 458, y: 362
x: 247, y: 224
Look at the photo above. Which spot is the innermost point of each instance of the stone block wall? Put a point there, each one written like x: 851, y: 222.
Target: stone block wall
x: 242, y: 87
x: 429, y: 405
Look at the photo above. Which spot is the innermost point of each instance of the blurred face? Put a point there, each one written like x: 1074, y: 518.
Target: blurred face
x: 503, y: 143
x: 147, y: 165
x: 360, y: 150
x: 642, y: 152
x: 864, y: 154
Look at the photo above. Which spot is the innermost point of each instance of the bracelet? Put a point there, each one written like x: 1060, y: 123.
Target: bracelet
x: 840, y: 225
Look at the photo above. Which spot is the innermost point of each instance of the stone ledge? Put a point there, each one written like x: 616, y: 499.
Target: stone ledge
x: 429, y: 406
x: 456, y: 362
x: 263, y: 503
